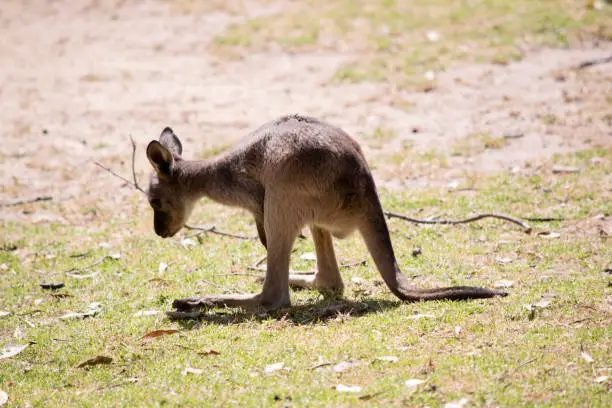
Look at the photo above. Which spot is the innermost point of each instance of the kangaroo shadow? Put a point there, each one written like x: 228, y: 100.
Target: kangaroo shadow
x: 318, y: 312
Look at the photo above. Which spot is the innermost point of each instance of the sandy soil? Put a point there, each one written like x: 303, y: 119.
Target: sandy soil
x: 78, y: 78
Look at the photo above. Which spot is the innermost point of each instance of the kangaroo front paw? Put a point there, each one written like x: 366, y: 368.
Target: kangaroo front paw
x: 192, y: 304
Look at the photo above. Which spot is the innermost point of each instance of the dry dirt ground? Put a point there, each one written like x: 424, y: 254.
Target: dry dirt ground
x: 77, y: 78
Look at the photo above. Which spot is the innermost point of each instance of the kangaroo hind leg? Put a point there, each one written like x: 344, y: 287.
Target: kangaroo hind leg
x: 327, y: 278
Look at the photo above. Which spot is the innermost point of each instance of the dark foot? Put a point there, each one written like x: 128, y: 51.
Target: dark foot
x: 192, y: 304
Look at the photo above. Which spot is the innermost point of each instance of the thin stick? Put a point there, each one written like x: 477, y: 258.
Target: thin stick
x: 214, y: 230
x: 256, y: 267
x: 133, y: 164
x: 543, y: 219
x: 26, y: 201
x: 353, y: 264
x: 596, y: 61
x: 477, y: 217
x: 219, y: 275
x: 136, y: 186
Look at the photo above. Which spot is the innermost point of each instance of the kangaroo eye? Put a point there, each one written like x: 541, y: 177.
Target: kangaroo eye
x: 156, y: 204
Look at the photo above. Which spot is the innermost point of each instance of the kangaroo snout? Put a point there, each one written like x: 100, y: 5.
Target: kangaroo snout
x: 163, y: 225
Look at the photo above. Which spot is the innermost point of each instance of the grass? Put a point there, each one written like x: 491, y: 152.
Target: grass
x: 400, y: 41
x: 499, y: 352
x: 476, y: 143
x: 493, y: 352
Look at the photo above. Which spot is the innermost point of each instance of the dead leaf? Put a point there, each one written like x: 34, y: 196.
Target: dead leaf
x: 3, y: 313
x: 542, y: 304
x: 457, y: 404
x: 345, y: 365
x: 308, y: 256
x: 52, y: 286
x: 273, y: 367
x: 94, y: 307
x: 75, y: 315
x: 503, y: 284
x: 3, y: 398
x: 587, y: 358
x: 549, y: 235
x: 79, y: 276
x: 413, y: 384
x: 347, y: 388
x: 432, y: 35
x: 97, y: 360
x: 565, y: 169
x: 146, y: 313
x: 503, y: 261
x: 157, y: 333
x: 191, y: 370
x: 209, y: 352
x: 419, y: 316
x: 390, y: 359
x: 187, y: 242
x: 11, y: 350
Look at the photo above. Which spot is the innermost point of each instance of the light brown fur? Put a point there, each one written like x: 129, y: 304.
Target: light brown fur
x: 293, y: 172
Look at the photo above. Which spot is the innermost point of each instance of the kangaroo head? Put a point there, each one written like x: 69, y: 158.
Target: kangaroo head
x: 170, y: 200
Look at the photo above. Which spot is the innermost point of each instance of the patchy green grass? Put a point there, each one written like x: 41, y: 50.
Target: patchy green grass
x: 476, y: 143
x: 400, y: 41
x: 492, y: 352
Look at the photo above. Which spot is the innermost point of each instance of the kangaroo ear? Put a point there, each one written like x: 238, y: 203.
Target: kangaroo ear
x: 160, y: 157
x: 170, y: 141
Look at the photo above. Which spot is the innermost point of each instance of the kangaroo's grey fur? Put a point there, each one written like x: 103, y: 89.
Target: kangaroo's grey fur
x: 289, y: 173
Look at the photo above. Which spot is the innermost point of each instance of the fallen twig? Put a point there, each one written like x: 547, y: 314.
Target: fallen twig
x: 543, y: 219
x: 353, y: 264
x: 477, y: 217
x: 26, y: 201
x: 136, y: 186
x: 214, y: 230
x: 134, y: 165
x: 257, y: 267
x: 86, y: 267
x: 596, y: 61
x: 261, y: 260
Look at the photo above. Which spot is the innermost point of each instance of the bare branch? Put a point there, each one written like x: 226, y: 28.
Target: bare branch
x: 543, y: 219
x: 477, y: 217
x: 257, y: 267
x: 596, y: 61
x: 212, y: 229
x: 26, y: 201
x: 136, y: 186
x: 134, y: 165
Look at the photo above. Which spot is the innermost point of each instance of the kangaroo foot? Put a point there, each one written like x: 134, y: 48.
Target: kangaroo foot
x: 248, y: 302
